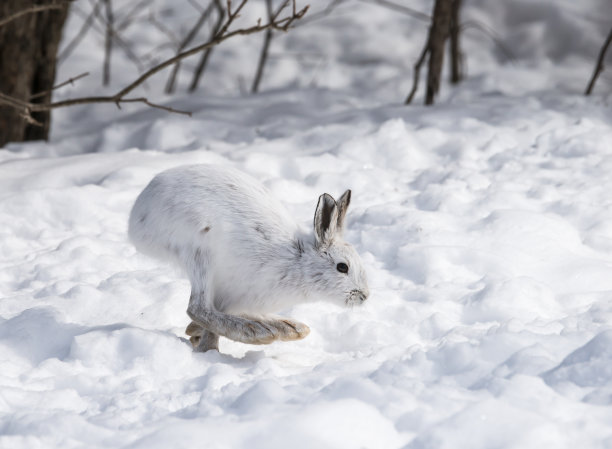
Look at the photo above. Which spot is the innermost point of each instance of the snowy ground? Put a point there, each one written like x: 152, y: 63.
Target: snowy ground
x: 485, y: 223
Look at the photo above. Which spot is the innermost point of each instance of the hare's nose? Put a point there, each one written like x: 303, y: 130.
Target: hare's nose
x: 362, y: 295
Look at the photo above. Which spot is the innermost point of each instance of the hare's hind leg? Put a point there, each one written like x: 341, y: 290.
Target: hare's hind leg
x: 244, y: 329
x: 202, y: 311
x: 201, y: 339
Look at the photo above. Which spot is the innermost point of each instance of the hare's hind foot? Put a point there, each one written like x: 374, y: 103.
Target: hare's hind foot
x: 256, y: 331
x: 201, y: 339
x: 265, y: 330
x: 288, y: 330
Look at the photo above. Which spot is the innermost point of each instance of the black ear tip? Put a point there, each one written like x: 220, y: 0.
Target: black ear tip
x: 327, y: 198
x: 346, y: 197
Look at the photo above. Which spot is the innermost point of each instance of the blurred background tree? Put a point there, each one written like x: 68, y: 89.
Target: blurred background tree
x: 31, y: 30
x: 30, y: 33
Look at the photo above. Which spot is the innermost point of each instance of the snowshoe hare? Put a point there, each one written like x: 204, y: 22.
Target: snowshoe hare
x: 244, y: 254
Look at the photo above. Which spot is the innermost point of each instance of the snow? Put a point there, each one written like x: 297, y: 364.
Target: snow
x: 485, y: 223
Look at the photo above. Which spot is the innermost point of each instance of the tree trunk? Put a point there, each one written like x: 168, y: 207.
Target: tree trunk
x: 440, y: 27
x: 456, y: 58
x: 28, y: 48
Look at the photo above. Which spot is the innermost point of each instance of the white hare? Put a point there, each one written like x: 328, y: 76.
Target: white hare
x: 244, y: 254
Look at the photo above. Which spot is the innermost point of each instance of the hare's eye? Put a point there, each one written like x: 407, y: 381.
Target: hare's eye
x: 342, y: 267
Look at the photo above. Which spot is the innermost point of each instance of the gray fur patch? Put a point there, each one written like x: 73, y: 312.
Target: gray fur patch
x: 260, y: 229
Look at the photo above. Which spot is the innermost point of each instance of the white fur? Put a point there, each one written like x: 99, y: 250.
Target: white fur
x: 242, y: 251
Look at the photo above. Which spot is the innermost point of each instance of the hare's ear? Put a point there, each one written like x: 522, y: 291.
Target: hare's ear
x: 325, y: 220
x: 343, y: 204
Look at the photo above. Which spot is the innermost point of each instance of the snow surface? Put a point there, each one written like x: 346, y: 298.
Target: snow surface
x: 485, y: 223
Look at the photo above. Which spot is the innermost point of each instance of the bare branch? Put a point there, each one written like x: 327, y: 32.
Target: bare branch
x: 417, y: 72
x: 321, y: 14
x: 33, y: 10
x: 186, y: 41
x: 221, y: 36
x: 401, y: 8
x: 154, y: 105
x: 120, y: 42
x: 31, y: 120
x: 120, y: 97
x: 231, y: 16
x: 81, y: 34
x: 108, y: 42
x: 11, y: 101
x: 163, y: 28
x: 129, y: 17
x: 263, y: 57
x: 491, y: 34
x: 196, y: 6
x: 28, y: 107
x: 599, y: 67
x: 197, y: 75
x: 69, y: 81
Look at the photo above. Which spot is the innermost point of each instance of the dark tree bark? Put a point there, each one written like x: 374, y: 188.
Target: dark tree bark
x: 440, y: 27
x: 456, y: 57
x: 28, y: 49
x: 444, y: 23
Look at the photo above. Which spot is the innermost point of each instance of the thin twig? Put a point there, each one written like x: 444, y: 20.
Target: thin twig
x: 120, y: 42
x: 108, y: 42
x: 171, y: 83
x: 401, y: 8
x: 153, y: 105
x: 199, y: 8
x: 197, y: 74
x: 491, y: 34
x: 129, y: 17
x: 150, y: 57
x: 417, y: 72
x: 80, y: 35
x: 69, y: 81
x: 32, y: 10
x: 599, y: 67
x: 163, y: 28
x: 263, y: 57
x: 321, y: 14
x: 35, y: 107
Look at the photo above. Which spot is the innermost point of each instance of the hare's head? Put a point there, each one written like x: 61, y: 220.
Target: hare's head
x: 338, y: 271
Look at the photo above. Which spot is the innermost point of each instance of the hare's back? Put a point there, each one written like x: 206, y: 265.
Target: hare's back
x: 182, y: 205
x: 223, y: 195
